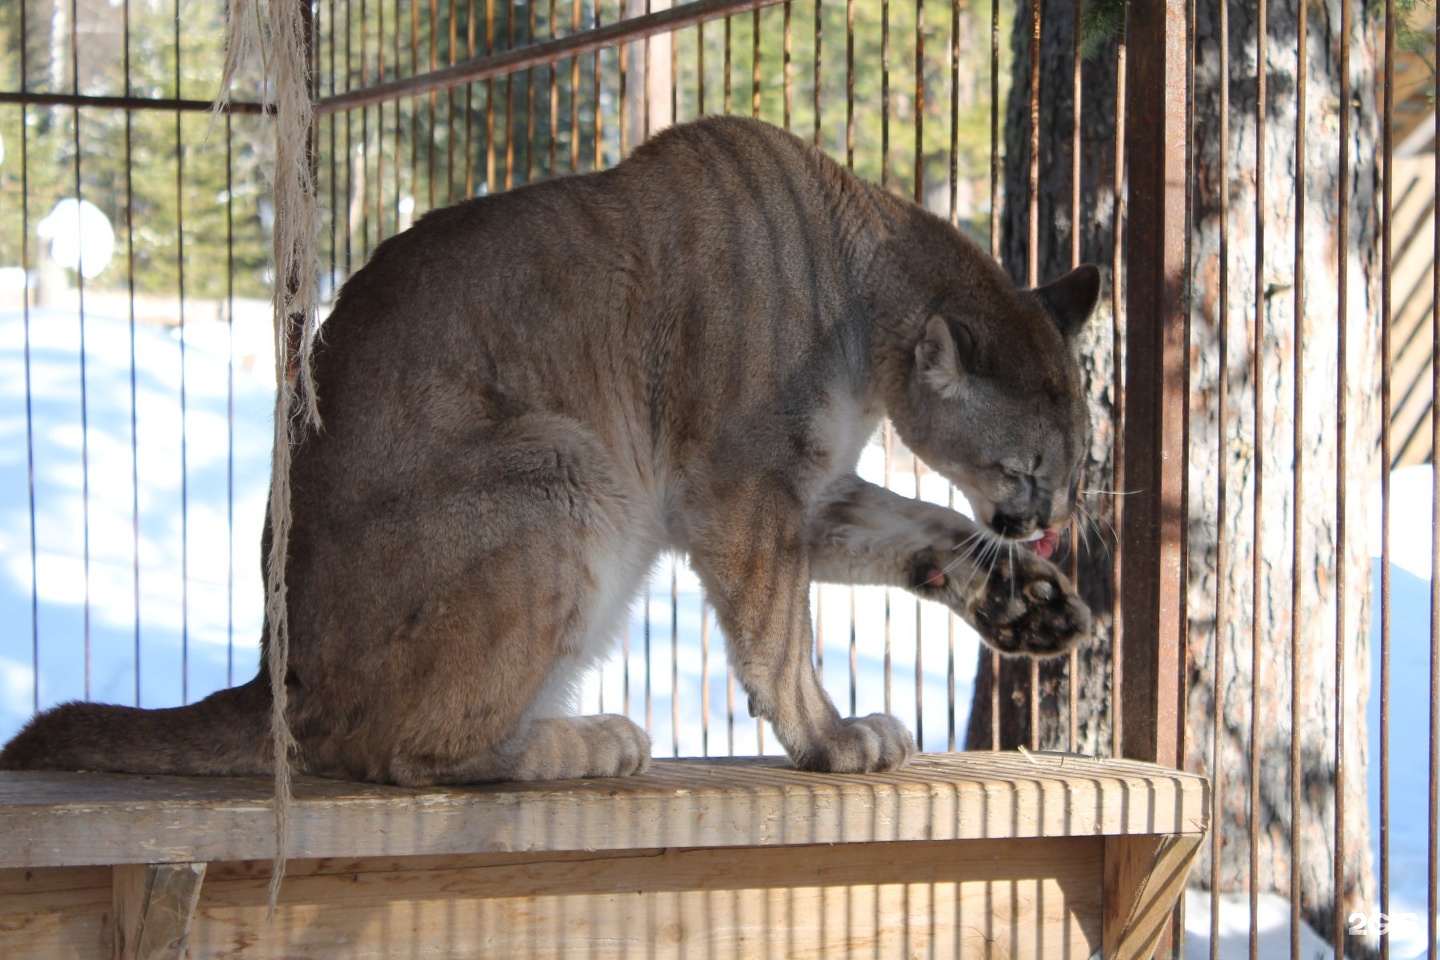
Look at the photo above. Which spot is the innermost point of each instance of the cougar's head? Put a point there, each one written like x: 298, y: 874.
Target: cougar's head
x: 994, y: 403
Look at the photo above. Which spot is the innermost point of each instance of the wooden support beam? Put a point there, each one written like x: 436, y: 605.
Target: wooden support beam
x: 1152, y: 595
x: 154, y: 906
x: 1144, y: 877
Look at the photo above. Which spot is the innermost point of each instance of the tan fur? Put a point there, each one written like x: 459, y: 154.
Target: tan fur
x: 527, y: 397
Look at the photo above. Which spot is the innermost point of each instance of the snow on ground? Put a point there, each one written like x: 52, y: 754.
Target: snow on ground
x: 193, y: 587
x: 1411, y: 834
x: 1272, y: 929
x: 96, y: 493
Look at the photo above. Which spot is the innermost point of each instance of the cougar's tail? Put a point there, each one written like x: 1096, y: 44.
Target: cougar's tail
x: 226, y: 734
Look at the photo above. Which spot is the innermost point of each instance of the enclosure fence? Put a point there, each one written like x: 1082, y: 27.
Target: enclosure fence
x: 1256, y: 181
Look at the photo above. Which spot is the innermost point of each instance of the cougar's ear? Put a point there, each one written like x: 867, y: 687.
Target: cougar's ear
x: 942, y: 354
x: 1071, y: 298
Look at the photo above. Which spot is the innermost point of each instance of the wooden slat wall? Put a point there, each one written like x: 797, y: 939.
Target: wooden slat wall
x: 1411, y: 340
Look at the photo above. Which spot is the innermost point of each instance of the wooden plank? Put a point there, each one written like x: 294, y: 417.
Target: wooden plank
x: 154, y: 906
x: 60, y: 819
x: 57, y: 914
x: 1144, y: 876
x: 1031, y: 898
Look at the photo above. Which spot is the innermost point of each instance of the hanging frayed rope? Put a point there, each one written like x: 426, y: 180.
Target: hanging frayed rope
x: 277, y: 29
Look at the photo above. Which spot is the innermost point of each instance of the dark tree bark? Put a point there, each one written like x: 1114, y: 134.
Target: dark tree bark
x: 1053, y: 256
x: 1223, y: 549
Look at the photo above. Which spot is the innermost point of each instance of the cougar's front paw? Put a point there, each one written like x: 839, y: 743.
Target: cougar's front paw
x: 615, y: 746
x: 1027, y: 606
x: 862, y: 745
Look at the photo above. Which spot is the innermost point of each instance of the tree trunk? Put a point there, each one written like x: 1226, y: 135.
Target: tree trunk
x: 1093, y: 565
x: 1271, y: 453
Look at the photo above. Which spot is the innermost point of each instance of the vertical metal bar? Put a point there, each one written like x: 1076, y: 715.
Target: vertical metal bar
x: 625, y: 673
x: 84, y: 388
x: 919, y: 177
x: 380, y: 126
x: 530, y: 100
x: 995, y: 253
x: 1297, y: 517
x: 853, y: 663
x: 704, y: 680
x: 134, y: 380
x: 674, y: 657
x: 230, y: 368
x: 1176, y: 935
x: 184, y: 385
x: 816, y: 78
x: 414, y: 114
x: 1387, y: 241
x: 1076, y: 88
x: 951, y: 706
x: 729, y: 39
x: 454, y: 40
x: 854, y: 644
x: 888, y: 436
x: 430, y: 140
x: 919, y: 124
x: 1154, y: 404
x: 349, y: 146
x: 1222, y: 476
x: 554, y: 89
x: 785, y: 63
x: 645, y: 78
x: 1257, y: 537
x: 885, y: 117
x: 623, y: 98
x: 730, y: 709
x: 470, y: 102
x: 755, y: 63
x: 1032, y: 182
x: 510, y: 100
x: 491, y: 162
x: 673, y: 42
x: 599, y: 104
x: 820, y: 633
x: 1117, y: 346
x: 850, y: 88
x: 400, y: 104
x: 700, y: 67
x: 1432, y: 854
x: 1342, y: 418
x: 649, y: 660
x: 995, y: 134
x: 575, y: 93
x: 29, y: 394
x: 334, y: 187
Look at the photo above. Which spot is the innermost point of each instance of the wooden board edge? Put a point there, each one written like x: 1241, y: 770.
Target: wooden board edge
x: 154, y: 908
x: 1144, y: 877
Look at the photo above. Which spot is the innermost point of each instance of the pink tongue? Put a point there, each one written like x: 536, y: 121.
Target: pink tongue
x: 1045, y: 546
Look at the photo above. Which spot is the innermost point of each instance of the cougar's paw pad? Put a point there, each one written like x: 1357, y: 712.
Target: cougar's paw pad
x: 929, y: 575
x: 862, y: 745
x: 1029, y: 607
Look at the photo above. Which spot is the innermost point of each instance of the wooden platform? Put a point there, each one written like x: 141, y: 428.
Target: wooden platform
x: 980, y: 854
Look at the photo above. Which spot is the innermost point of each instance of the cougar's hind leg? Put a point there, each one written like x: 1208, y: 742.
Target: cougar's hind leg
x: 463, y: 596
x: 492, y: 647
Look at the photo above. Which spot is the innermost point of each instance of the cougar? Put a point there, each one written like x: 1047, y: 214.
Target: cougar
x: 525, y: 398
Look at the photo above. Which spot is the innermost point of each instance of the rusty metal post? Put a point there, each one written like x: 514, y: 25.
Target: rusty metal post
x: 1156, y: 148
